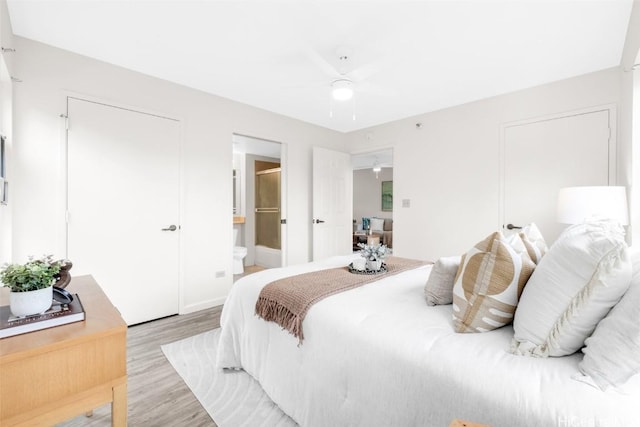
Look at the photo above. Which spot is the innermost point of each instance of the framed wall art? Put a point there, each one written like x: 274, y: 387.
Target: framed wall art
x: 387, y: 195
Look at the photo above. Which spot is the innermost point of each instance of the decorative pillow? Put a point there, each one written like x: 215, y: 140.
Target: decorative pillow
x: 439, y: 287
x: 365, y: 223
x: 377, y: 224
x: 583, y: 275
x: 534, y: 242
x: 488, y: 284
x: 612, y: 353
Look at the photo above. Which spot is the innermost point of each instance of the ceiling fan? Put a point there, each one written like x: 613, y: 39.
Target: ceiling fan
x: 346, y: 78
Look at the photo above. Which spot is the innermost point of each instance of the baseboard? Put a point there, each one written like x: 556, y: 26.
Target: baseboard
x: 192, y: 308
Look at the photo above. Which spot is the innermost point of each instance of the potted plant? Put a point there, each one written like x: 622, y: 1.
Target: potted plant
x: 374, y: 254
x: 31, y: 285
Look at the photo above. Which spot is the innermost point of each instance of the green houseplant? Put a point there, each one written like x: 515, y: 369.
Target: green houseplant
x: 31, y: 284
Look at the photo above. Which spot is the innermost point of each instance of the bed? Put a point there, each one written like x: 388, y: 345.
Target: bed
x: 377, y: 355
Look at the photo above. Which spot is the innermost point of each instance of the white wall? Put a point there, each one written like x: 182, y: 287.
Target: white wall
x: 367, y: 193
x: 208, y: 124
x: 6, y: 96
x: 449, y: 168
x: 630, y: 118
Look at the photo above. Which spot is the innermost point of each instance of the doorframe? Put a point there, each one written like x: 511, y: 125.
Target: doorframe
x: 377, y: 149
x: 613, y: 147
x: 284, y: 200
x: 63, y: 174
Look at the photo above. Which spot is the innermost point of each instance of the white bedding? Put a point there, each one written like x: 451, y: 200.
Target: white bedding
x: 379, y: 356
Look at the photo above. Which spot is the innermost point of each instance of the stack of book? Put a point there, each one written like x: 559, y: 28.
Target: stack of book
x: 58, y: 314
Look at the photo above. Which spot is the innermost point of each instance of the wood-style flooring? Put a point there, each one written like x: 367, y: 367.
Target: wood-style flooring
x: 157, y: 396
x: 248, y: 269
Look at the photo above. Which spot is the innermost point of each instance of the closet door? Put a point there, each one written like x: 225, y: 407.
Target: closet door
x: 123, y: 206
x: 544, y: 156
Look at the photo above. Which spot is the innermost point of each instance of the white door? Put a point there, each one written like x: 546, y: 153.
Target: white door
x: 123, y: 210
x: 332, y: 203
x: 544, y: 156
x: 283, y: 206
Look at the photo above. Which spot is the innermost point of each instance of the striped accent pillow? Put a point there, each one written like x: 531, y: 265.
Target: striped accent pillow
x: 489, y: 283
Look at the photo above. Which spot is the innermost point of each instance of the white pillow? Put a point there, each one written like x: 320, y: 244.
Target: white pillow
x: 377, y: 224
x: 439, y: 287
x: 612, y: 353
x: 534, y: 242
x: 583, y: 275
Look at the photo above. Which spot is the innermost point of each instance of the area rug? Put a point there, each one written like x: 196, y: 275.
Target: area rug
x: 232, y: 398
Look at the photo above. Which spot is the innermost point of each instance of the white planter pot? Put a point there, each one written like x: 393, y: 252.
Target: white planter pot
x: 374, y: 265
x: 32, y: 302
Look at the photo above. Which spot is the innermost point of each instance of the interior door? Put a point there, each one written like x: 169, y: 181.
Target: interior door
x: 332, y: 203
x: 123, y: 206
x: 542, y: 157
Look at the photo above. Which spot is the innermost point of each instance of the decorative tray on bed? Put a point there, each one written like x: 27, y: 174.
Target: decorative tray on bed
x: 383, y: 269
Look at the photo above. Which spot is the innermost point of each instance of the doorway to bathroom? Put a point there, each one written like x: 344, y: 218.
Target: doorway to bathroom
x: 259, y: 203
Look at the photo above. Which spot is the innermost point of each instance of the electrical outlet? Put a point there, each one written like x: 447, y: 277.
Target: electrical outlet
x: 406, y: 203
x: 219, y: 274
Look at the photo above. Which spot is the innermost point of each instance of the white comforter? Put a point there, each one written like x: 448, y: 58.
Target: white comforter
x: 379, y: 356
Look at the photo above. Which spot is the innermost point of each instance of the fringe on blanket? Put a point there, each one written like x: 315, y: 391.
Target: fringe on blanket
x: 273, y: 311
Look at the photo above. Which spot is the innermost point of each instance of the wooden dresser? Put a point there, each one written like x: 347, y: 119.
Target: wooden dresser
x: 58, y: 373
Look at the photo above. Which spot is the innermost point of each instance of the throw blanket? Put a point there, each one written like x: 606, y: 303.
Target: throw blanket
x: 286, y: 301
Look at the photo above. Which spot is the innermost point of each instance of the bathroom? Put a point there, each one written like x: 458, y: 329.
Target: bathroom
x: 257, y: 204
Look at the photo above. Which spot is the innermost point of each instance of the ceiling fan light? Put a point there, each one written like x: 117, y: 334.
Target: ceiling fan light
x: 342, y: 90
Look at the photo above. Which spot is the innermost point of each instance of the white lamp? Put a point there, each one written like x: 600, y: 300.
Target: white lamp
x: 577, y: 204
x: 342, y: 90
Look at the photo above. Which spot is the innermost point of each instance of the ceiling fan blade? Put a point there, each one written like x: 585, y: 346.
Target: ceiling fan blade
x: 319, y: 61
x: 364, y: 72
x: 374, y: 89
x: 310, y: 85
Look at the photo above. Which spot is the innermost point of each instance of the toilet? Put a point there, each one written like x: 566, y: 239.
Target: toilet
x: 239, y: 252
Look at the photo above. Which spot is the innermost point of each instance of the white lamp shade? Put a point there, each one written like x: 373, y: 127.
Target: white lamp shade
x: 577, y: 204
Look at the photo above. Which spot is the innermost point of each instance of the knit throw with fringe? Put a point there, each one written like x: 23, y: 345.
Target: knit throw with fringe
x: 286, y: 301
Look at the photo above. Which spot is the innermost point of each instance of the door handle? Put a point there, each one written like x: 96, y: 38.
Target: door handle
x: 170, y: 228
x: 513, y: 227
x: 317, y: 221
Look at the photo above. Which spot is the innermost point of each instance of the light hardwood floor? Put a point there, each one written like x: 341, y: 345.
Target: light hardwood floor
x: 157, y: 396
x: 249, y: 269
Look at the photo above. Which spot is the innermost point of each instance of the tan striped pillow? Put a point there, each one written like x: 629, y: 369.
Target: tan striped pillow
x: 489, y: 283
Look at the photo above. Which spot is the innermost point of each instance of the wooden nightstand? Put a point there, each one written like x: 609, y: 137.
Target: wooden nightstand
x: 55, y: 374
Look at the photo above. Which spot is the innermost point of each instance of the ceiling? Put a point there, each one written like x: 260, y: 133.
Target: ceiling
x: 405, y: 58
x: 384, y: 158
